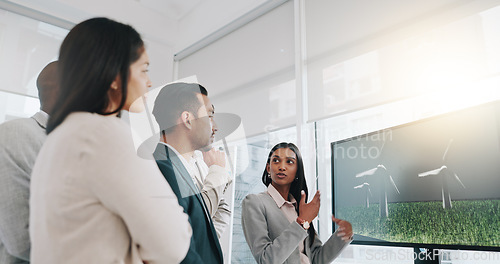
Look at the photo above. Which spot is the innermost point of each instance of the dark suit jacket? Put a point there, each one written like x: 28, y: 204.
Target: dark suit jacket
x: 205, y: 247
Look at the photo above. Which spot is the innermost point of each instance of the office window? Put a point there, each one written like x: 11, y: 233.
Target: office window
x: 250, y: 72
x: 26, y: 46
x: 437, y: 48
x: 13, y: 106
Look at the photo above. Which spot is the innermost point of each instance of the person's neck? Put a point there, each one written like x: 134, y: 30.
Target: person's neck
x: 112, y: 106
x: 284, y: 190
x: 180, y: 143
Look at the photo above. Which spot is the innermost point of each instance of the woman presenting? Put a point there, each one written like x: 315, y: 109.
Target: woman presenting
x: 277, y: 222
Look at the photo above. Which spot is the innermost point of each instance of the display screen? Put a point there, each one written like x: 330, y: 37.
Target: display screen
x: 432, y: 183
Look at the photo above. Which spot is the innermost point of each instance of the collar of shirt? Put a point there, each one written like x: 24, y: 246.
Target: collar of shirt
x: 183, y: 160
x: 189, y: 165
x: 280, y: 201
x: 195, y: 172
x: 44, y: 114
x: 41, y: 118
x: 198, y: 155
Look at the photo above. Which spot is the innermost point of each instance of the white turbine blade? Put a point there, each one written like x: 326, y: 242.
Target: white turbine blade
x: 430, y: 173
x: 447, y: 148
x: 394, y: 184
x: 366, y: 173
x: 458, y: 179
x: 370, y: 192
x: 359, y: 186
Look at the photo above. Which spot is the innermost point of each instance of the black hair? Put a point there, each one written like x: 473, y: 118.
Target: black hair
x: 174, y: 99
x: 91, y: 56
x: 297, y: 185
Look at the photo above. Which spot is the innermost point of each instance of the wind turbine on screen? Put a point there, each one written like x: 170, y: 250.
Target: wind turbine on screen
x: 445, y: 173
x: 368, y: 192
x: 384, y: 177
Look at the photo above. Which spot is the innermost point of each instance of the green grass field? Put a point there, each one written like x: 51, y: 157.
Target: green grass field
x: 467, y: 223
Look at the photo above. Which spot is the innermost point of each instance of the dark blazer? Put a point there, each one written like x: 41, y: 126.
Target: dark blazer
x: 205, y: 247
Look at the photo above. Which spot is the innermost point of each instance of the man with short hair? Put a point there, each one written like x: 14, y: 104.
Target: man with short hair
x: 20, y: 142
x: 185, y: 115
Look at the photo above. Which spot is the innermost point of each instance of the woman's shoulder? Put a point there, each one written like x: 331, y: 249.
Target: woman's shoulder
x: 93, y: 121
x: 89, y: 125
x: 92, y: 133
x: 257, y: 198
x: 253, y: 196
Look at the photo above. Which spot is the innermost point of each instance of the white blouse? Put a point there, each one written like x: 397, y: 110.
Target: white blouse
x: 288, y: 209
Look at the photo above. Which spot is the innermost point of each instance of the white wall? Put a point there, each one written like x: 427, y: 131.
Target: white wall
x: 209, y: 16
x: 158, y: 31
x: 164, y: 35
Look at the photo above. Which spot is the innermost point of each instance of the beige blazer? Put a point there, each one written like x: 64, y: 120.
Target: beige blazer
x: 93, y: 200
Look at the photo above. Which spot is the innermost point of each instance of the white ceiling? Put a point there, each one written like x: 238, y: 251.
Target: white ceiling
x: 174, y: 9
x: 176, y: 23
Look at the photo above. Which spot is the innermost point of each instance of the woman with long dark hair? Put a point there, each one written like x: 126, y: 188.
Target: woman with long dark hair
x: 93, y: 200
x: 277, y: 223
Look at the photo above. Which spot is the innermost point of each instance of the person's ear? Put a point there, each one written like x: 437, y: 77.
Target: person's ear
x: 114, y: 91
x: 268, y: 169
x: 116, y: 83
x: 186, y: 118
